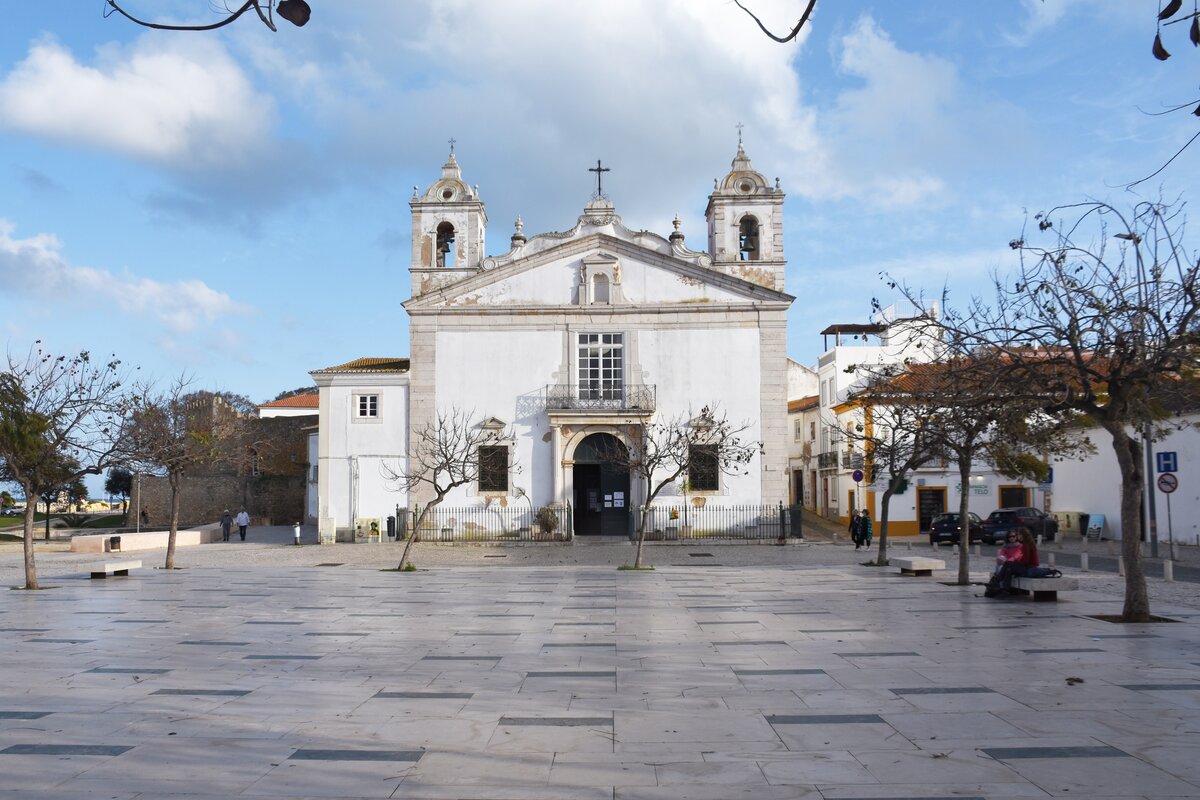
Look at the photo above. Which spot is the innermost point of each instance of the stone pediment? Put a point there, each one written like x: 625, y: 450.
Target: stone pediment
x: 606, y: 268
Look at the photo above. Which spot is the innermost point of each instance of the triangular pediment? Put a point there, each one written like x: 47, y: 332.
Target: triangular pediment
x: 598, y: 270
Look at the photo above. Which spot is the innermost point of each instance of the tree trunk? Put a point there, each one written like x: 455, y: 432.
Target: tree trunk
x: 882, y: 558
x: 964, y: 515
x: 412, y: 536
x: 637, y: 559
x: 31, y: 580
x: 173, y: 479
x: 1129, y: 458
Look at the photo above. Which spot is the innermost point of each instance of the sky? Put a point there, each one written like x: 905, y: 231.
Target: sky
x: 233, y: 206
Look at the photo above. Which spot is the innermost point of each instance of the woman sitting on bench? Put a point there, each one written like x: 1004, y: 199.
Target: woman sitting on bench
x: 1019, y: 562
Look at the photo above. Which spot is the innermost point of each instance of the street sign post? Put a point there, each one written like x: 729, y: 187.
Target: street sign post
x: 1167, y: 483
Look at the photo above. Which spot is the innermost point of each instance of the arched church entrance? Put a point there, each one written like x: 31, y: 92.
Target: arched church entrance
x: 601, y: 490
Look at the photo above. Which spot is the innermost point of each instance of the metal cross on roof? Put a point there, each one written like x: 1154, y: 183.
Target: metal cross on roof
x: 452, y: 141
x: 739, y: 126
x: 599, y: 170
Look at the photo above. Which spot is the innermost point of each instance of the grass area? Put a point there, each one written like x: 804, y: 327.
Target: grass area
x: 106, y: 521
x: 11, y: 537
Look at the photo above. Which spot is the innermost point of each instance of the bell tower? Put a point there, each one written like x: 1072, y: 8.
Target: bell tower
x: 448, y: 226
x: 745, y: 225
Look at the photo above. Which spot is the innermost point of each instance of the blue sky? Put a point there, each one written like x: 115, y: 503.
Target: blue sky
x: 233, y: 205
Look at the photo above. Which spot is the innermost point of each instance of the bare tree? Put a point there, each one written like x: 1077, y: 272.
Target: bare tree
x: 788, y: 36
x: 660, y: 453
x: 177, y: 431
x: 896, y: 438
x: 61, y: 418
x: 1103, y: 321
x: 296, y: 12
x: 444, y: 455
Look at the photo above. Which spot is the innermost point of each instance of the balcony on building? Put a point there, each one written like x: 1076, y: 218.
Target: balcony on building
x: 636, y: 399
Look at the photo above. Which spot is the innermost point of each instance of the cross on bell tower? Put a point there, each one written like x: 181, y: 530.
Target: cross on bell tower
x: 599, y: 170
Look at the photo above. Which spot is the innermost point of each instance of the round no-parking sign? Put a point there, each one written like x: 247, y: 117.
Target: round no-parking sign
x: 857, y: 475
x: 1167, y: 482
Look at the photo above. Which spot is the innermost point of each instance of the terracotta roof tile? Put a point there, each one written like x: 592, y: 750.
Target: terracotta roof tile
x: 803, y: 404
x: 370, y: 365
x: 312, y: 400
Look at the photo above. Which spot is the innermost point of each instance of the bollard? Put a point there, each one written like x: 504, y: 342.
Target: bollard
x: 1039, y: 540
x: 978, y: 549
x: 1120, y: 565
x: 1051, y: 557
x: 935, y: 545
x: 296, y: 534
x: 908, y: 545
x: 1168, y: 571
x: 955, y: 550
x: 1083, y: 559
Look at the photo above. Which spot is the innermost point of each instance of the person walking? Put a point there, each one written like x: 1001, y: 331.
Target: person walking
x: 226, y: 524
x: 243, y: 522
x: 855, y: 527
x: 864, y: 528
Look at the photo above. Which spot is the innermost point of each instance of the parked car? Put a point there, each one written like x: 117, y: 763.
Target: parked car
x: 1003, y: 520
x: 946, y: 527
x: 14, y: 511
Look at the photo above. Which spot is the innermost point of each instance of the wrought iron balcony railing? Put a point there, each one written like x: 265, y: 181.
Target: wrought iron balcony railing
x: 600, y: 398
x: 827, y: 460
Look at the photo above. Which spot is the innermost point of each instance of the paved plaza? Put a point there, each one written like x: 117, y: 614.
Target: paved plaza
x: 240, y: 677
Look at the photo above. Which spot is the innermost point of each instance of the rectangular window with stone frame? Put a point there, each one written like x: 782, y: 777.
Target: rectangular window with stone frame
x: 367, y: 406
x: 704, y: 468
x: 493, y: 468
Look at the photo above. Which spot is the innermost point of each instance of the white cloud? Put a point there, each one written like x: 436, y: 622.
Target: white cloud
x: 895, y: 139
x: 179, y: 101
x: 35, y: 266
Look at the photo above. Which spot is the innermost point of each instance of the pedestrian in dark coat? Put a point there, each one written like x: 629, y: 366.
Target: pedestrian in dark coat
x: 226, y: 525
x: 864, y: 528
x: 855, y: 528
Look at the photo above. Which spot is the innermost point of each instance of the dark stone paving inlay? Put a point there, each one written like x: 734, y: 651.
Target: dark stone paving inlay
x: 205, y: 692
x: 1065, y: 650
x: 308, y: 754
x: 217, y: 644
x: 23, y: 714
x: 65, y: 750
x: 461, y: 658
x: 824, y: 719
x: 1008, y: 753
x: 573, y: 674
x: 579, y: 644
x: 1161, y: 687
x: 127, y: 671
x: 556, y: 721
x: 62, y: 641
x: 885, y: 655
x: 145, y: 621
x: 272, y: 622
x: 944, y: 690
x: 736, y: 643
x: 280, y: 658
x: 424, y: 695
x: 779, y: 672
x: 334, y: 633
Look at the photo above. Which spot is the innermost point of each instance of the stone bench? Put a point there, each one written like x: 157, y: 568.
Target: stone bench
x: 918, y: 565
x: 103, y: 568
x: 1045, y: 588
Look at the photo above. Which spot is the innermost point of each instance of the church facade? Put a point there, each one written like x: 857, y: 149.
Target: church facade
x: 562, y: 344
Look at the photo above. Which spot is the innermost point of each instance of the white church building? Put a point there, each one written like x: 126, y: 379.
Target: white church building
x: 564, y: 340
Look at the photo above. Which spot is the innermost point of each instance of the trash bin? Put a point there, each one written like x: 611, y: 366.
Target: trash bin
x: 1084, y: 519
x: 391, y: 527
x: 114, y: 544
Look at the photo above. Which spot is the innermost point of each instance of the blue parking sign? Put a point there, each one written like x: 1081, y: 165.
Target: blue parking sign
x: 1166, y: 461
